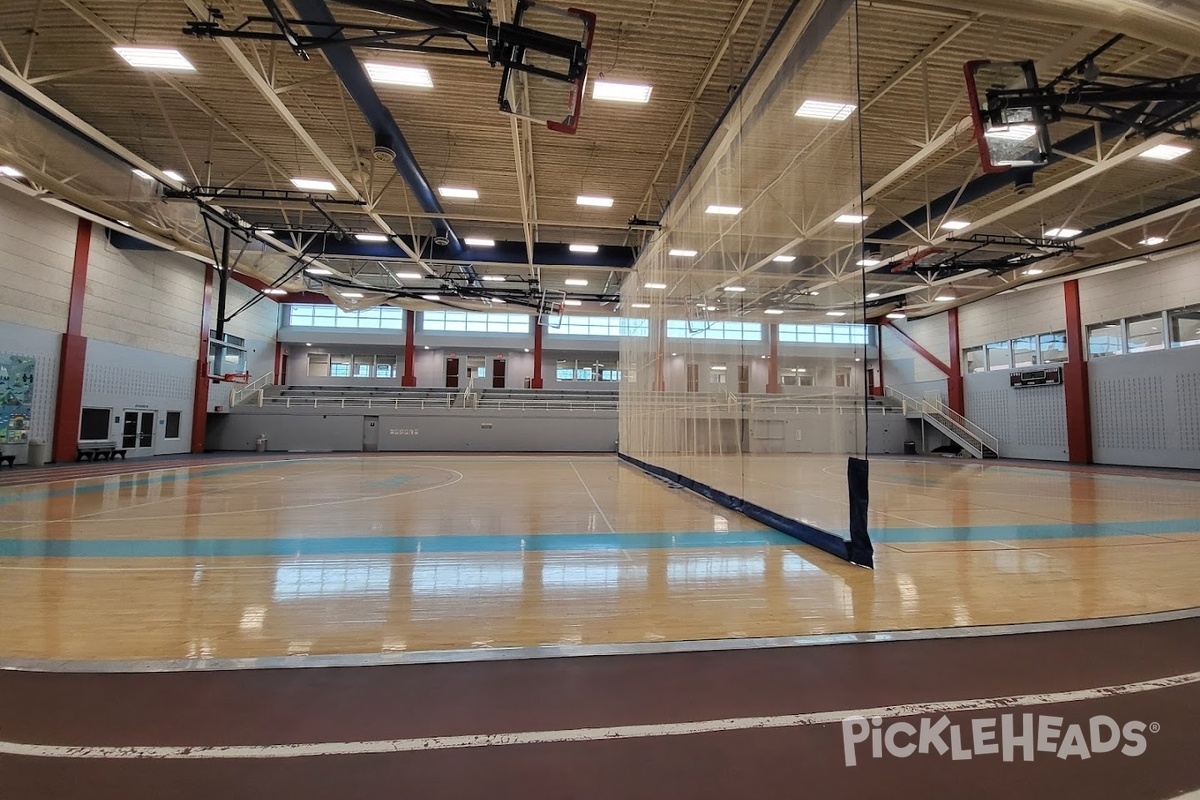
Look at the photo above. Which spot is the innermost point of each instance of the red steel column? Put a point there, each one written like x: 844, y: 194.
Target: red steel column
x: 956, y: 397
x: 881, y: 389
x: 773, y: 386
x: 660, y: 356
x: 200, y: 397
x: 536, y: 382
x: 410, y: 349
x: 72, y: 359
x: 1075, y: 382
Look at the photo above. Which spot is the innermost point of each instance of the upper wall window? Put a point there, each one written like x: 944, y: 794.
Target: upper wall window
x: 999, y: 355
x: 303, y: 315
x: 468, y: 322
x: 730, y: 331
x: 1145, y: 333
x: 1025, y: 351
x: 599, y: 326
x: 1105, y: 339
x: 1052, y: 347
x: 1185, y: 326
x: 837, y: 333
x: 974, y: 360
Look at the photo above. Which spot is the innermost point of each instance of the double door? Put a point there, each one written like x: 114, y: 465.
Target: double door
x: 137, y: 432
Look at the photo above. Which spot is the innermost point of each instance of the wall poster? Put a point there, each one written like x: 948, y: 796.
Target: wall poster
x: 16, y: 397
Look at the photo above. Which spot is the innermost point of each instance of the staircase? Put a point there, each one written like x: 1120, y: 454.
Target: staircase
x: 972, y: 438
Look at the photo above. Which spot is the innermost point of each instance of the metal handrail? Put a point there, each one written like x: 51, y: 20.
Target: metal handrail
x: 237, y: 396
x: 925, y: 406
x: 361, y: 402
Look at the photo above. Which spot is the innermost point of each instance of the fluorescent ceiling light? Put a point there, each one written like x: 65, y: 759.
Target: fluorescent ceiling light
x: 655, y: 286
x: 801, y: 369
x: 641, y: 305
x: 396, y: 75
x: 1012, y: 133
x: 1063, y: 233
x: 314, y: 185
x: 869, y: 262
x: 621, y: 92
x: 318, y: 271
x: 277, y: 291
x: 584, y: 248
x: 1033, y: 271
x: 710, y: 308
x: 472, y: 242
x: 266, y: 232
x: 146, y: 176
x: 851, y: 219
x: 823, y: 109
x: 124, y: 222
x: 1166, y: 152
x: 370, y: 237
x: 409, y: 276
x: 719, y: 367
x: 897, y: 315
x: 683, y: 253
x: 458, y: 193
x: 431, y: 297
x: 499, y: 301
x: 773, y: 311
x: 157, y: 58
x: 945, y: 298
x: 11, y: 172
x: 351, y: 295
x: 598, y: 202
x: 728, y: 211
x: 872, y: 295
x: 784, y: 259
x: 813, y: 294
x: 955, y: 224
x: 493, y: 278
x: 835, y: 313
x: 572, y: 302
x: 173, y: 175
x: 575, y: 282
x: 1151, y: 241
x: 735, y: 288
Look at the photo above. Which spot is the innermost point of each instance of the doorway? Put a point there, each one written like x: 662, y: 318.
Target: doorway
x: 370, y: 435
x: 137, y: 432
x: 743, y: 379
x: 498, y: 372
x: 452, y: 372
x: 693, y: 377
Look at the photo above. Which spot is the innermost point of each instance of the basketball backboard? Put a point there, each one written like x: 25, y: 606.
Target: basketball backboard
x: 542, y: 86
x: 1008, y: 136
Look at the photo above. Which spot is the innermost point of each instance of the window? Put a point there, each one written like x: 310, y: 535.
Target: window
x: 468, y: 322
x: 974, y: 360
x: 837, y: 333
x: 999, y: 356
x: 610, y: 374
x: 1105, y: 340
x: 363, y: 366
x: 93, y: 424
x: 1145, y: 333
x: 1025, y: 351
x: 339, y: 367
x: 385, y: 366
x: 1185, y: 326
x: 696, y: 329
x: 599, y: 326
x: 716, y: 377
x: 301, y: 315
x: 171, y: 426
x: 1052, y: 347
x: 318, y: 365
x: 565, y: 371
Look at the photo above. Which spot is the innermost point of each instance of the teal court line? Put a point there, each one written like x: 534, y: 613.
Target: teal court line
x: 21, y: 494
x: 294, y: 546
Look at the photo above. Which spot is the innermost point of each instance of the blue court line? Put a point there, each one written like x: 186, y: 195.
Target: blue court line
x: 381, y: 545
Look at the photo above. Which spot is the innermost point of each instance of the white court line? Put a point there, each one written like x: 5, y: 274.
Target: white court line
x: 578, y: 735
x: 603, y: 516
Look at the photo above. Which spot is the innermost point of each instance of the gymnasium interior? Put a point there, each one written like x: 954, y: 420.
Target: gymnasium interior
x: 747, y: 398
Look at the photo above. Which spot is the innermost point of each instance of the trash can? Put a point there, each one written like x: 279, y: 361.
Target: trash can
x: 37, y: 454
x: 910, y: 448
x: 260, y: 444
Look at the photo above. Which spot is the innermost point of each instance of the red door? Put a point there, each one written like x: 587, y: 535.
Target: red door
x: 451, y: 373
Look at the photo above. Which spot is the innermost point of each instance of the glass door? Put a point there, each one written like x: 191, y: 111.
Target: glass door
x: 137, y: 432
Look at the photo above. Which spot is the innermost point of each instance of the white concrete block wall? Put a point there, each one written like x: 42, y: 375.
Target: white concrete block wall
x: 257, y: 325
x: 906, y: 370
x: 147, y: 299
x: 1010, y: 316
x: 37, y: 253
x: 1144, y: 289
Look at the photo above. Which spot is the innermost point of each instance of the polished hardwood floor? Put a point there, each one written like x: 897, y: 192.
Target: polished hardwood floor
x: 383, y: 554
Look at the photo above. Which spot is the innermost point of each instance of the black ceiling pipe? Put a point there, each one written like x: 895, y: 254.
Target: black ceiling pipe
x: 989, y: 183
x: 388, y: 137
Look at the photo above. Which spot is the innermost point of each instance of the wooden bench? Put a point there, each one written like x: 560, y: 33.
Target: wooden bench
x: 96, y: 451
x: 12, y: 460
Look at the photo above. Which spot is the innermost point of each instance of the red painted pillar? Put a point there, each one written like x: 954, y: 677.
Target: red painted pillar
x: 773, y: 386
x: 536, y: 382
x: 72, y: 359
x: 879, y: 390
x: 410, y: 349
x: 200, y: 397
x: 1075, y: 382
x: 956, y: 398
x: 660, y: 356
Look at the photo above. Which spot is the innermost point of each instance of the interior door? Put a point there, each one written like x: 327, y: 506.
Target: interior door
x: 743, y: 379
x: 137, y: 432
x: 283, y: 366
x: 498, y: 373
x: 452, y: 373
x: 693, y: 377
x: 370, y: 435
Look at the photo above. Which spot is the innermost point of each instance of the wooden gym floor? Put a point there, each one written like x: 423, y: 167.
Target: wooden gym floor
x: 235, y: 558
